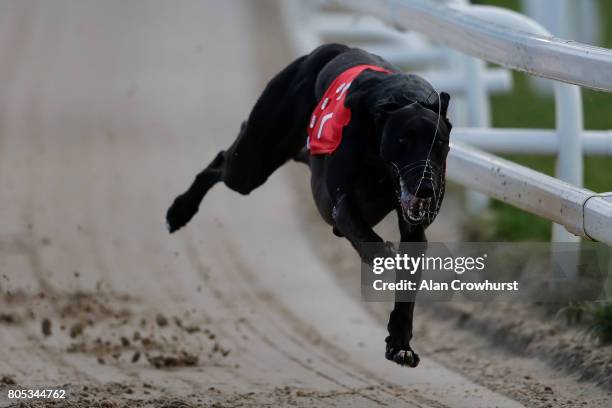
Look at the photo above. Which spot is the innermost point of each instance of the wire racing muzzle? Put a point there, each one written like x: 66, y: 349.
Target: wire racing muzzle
x: 421, y: 189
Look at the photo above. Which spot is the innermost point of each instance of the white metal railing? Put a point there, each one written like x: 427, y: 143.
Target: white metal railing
x: 484, y: 32
x: 578, y: 20
x: 531, y: 141
x: 582, y: 212
x: 536, y: 54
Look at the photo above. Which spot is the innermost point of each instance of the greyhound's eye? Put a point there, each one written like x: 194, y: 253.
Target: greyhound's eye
x: 403, y: 141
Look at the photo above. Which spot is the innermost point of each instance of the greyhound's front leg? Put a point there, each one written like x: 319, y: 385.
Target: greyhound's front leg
x: 351, y: 224
x: 401, y: 318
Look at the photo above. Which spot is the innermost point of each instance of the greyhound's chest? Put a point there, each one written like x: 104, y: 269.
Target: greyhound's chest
x: 372, y: 189
x: 331, y: 115
x: 374, y: 196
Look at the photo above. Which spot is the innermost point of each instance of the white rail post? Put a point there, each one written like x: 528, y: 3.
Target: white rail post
x: 569, y: 166
x: 478, y: 115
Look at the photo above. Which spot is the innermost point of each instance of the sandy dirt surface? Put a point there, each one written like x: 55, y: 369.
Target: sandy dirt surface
x: 107, y: 110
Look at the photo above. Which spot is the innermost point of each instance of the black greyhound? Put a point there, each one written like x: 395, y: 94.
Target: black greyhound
x: 391, y: 156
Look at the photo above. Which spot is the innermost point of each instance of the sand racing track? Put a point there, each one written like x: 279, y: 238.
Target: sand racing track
x: 107, y: 110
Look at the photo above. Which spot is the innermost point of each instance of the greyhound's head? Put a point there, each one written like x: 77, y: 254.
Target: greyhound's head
x: 414, y: 145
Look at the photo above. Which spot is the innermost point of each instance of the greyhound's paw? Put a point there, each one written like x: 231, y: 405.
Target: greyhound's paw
x: 180, y: 213
x: 401, y: 356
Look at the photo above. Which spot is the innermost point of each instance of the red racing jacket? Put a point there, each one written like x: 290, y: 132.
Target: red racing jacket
x: 331, y: 116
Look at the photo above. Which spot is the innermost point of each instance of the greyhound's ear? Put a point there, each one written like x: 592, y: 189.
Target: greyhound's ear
x: 444, y: 100
x: 449, y: 125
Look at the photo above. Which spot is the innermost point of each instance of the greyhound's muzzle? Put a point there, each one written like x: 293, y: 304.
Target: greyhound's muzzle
x: 414, y: 209
x: 421, y: 189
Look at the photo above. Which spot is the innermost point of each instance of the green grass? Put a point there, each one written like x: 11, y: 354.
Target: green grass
x: 523, y: 108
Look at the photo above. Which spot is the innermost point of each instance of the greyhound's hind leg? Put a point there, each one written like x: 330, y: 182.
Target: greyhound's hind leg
x: 186, y: 205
